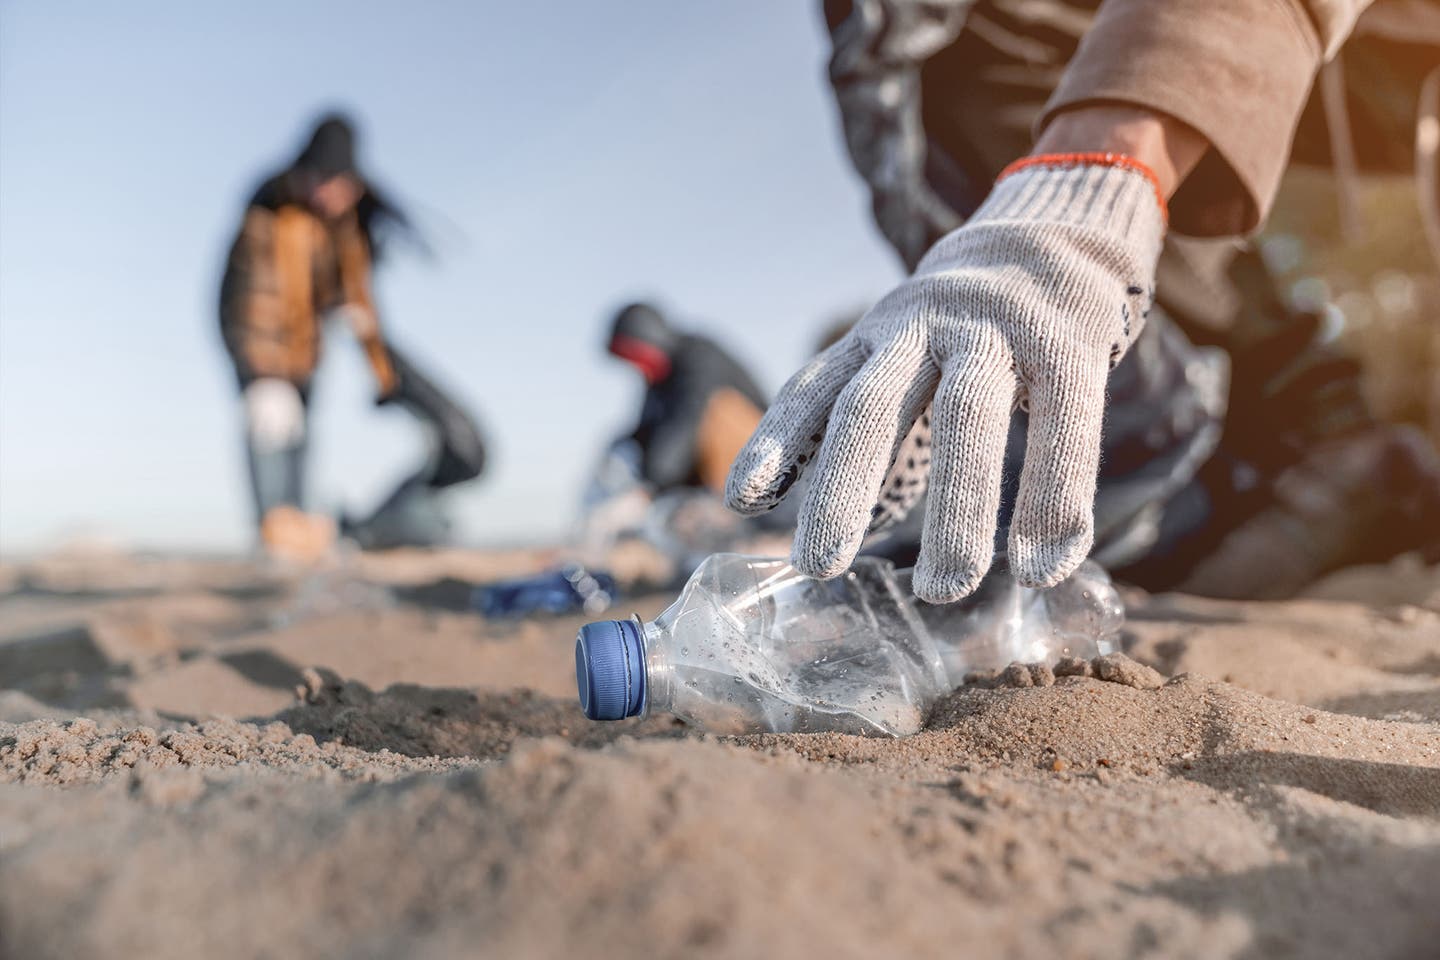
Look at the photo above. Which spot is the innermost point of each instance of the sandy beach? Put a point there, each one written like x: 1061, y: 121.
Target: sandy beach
x: 208, y: 758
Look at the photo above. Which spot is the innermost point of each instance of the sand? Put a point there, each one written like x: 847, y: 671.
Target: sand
x: 202, y: 758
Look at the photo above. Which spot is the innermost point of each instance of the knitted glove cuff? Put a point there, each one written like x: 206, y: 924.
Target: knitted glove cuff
x: 1106, y: 192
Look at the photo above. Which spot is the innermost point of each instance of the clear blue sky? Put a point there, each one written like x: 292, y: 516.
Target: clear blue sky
x: 565, y: 157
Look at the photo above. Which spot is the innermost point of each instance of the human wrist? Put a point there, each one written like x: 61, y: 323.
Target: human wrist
x: 1164, y: 145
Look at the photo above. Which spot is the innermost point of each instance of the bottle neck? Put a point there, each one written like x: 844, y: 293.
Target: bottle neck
x: 659, y: 670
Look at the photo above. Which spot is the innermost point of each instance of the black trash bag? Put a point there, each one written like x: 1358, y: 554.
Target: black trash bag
x: 413, y: 514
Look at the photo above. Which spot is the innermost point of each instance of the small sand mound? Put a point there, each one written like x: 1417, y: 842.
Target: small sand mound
x: 1112, y: 668
x: 1133, y: 725
x: 82, y: 751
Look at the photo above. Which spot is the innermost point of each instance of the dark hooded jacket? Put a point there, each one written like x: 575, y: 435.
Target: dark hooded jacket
x: 695, y: 419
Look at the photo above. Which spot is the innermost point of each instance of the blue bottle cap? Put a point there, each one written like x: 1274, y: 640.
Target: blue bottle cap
x: 610, y: 669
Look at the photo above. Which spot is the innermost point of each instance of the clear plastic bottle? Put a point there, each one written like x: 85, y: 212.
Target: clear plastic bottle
x: 1003, y: 623
x: 751, y: 646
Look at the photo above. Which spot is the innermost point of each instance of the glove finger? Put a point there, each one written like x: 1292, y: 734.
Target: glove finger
x: 970, y: 418
x: 877, y: 408
x: 909, y: 472
x: 787, y: 435
x: 1054, y: 523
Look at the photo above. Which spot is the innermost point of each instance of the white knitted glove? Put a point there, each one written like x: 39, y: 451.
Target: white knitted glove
x: 274, y: 414
x: 1032, y: 302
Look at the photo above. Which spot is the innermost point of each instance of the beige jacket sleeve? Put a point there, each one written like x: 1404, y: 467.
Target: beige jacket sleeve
x: 1238, y: 71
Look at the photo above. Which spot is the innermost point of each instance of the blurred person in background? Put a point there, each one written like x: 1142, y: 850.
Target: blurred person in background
x: 700, y: 404
x: 310, y: 236
x: 1055, y: 174
x: 662, y: 481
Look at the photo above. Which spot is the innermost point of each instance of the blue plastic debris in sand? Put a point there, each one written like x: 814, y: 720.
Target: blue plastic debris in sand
x: 569, y: 589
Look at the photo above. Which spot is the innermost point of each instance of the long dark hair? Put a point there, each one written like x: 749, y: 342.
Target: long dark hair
x: 330, y: 152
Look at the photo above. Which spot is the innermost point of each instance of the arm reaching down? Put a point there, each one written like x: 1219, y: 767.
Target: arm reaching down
x: 1188, y: 104
x: 360, y: 310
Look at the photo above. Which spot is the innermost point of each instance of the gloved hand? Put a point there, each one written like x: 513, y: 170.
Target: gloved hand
x: 274, y: 414
x: 1031, y: 302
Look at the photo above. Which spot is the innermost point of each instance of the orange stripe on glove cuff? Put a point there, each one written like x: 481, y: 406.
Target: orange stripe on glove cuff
x: 1099, y: 159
